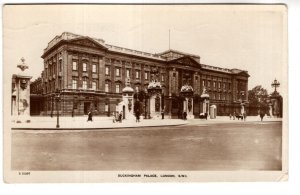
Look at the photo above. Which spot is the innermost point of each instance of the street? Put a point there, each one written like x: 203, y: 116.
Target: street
x: 196, y: 146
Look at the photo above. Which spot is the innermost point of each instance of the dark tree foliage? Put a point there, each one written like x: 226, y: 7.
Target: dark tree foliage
x: 141, y: 95
x: 138, y: 107
x: 258, y: 97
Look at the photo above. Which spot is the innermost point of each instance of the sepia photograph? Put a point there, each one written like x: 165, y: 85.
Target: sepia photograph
x: 145, y: 93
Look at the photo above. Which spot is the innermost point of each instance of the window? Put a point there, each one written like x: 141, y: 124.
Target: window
x: 94, y: 68
x: 128, y: 73
x: 84, y: 67
x: 137, y: 88
x: 219, y: 84
x: 106, y: 107
x: 137, y: 74
x: 208, y: 83
x: 162, y: 78
x: 106, y: 70
x: 84, y: 84
x: 74, y: 67
x: 106, y: 87
x: 203, y: 83
x: 146, y: 75
x: 224, y: 85
x: 214, y: 84
x: 74, y: 84
x: 94, y: 85
x: 219, y: 96
x: 117, y: 88
x: 59, y: 65
x: 117, y: 72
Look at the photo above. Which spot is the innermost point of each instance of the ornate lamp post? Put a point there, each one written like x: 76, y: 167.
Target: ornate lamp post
x: 276, y: 100
x: 52, y: 105
x: 275, y: 84
x: 57, y: 99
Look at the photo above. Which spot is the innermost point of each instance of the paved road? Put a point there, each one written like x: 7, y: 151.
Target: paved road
x: 237, y: 146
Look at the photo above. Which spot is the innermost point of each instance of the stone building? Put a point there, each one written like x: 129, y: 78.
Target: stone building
x: 90, y: 75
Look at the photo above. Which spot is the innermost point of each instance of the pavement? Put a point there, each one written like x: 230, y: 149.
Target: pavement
x: 80, y: 122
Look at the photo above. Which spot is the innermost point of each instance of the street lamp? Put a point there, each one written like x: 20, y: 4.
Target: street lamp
x: 275, y: 84
x: 52, y: 105
x: 57, y: 99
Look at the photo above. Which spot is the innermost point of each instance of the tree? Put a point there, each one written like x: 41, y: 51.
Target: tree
x: 258, y: 98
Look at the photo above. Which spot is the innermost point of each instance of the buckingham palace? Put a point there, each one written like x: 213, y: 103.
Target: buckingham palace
x: 90, y: 75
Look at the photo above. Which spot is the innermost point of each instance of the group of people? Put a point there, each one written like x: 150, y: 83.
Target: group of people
x: 117, y: 117
x: 242, y: 116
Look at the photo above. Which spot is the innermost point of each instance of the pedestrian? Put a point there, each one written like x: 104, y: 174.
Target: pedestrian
x: 90, y: 117
x: 184, y: 115
x: 137, y: 115
x: 233, y: 115
x: 244, y: 115
x: 162, y: 114
x: 261, y: 116
x: 114, y: 117
x: 120, y: 117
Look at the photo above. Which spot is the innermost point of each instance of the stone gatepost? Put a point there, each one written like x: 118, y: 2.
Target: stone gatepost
x: 188, y: 107
x: 126, y: 106
x: 21, y: 94
x: 155, y: 105
x: 187, y: 92
x: 155, y: 95
x: 205, y: 104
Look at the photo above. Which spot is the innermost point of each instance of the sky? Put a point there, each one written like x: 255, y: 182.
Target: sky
x: 251, y: 37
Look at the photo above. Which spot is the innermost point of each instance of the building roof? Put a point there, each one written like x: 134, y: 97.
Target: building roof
x: 158, y: 56
x: 178, y: 52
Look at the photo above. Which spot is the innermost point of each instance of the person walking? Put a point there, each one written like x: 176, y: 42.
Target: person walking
x: 137, y: 115
x: 244, y: 115
x: 114, y: 117
x: 261, y: 116
x: 120, y: 117
x: 90, y: 117
x: 184, y: 115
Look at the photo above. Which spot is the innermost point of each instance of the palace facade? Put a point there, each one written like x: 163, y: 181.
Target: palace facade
x: 90, y: 75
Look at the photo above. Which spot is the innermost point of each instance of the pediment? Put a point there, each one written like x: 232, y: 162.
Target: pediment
x: 88, y: 42
x: 186, y: 61
x: 243, y: 73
